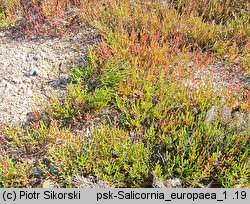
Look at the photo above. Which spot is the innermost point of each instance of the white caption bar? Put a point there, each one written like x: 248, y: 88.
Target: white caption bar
x: 168, y: 196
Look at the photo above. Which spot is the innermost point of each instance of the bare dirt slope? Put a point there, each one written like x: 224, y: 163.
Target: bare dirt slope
x: 33, y: 69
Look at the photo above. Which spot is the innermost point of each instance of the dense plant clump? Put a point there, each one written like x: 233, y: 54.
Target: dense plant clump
x: 38, y: 17
x: 147, y: 104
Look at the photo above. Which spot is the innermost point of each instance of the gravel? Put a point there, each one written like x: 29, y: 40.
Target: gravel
x: 32, y: 70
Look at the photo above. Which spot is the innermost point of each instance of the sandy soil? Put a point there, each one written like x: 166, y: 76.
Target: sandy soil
x: 33, y: 69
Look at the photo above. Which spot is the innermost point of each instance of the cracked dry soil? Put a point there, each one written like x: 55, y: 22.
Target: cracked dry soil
x: 32, y: 70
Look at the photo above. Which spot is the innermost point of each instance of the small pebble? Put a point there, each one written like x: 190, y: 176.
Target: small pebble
x: 37, y: 172
x: 32, y: 72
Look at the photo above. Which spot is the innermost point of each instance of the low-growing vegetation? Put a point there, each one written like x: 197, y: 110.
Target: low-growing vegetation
x: 155, y: 99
